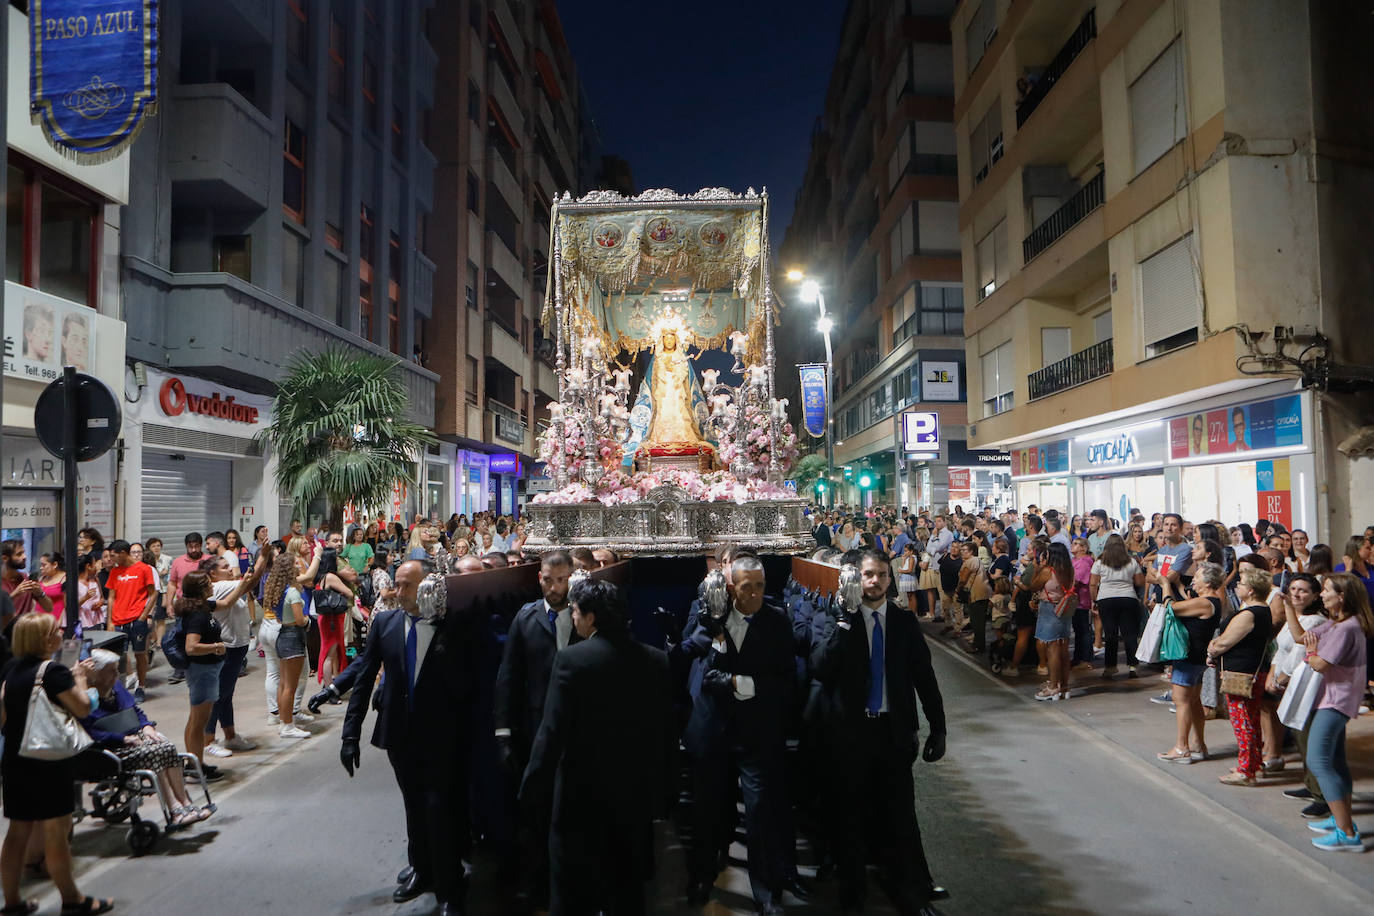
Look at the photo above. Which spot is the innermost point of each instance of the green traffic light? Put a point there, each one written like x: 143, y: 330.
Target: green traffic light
x: 865, y: 481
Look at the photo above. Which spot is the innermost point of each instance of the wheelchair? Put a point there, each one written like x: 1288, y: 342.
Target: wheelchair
x: 116, y: 793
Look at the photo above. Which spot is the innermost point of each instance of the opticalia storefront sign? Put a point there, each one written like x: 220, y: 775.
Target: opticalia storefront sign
x: 1111, y: 450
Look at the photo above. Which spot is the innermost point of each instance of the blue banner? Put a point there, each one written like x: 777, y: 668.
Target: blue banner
x: 92, y: 73
x: 813, y: 398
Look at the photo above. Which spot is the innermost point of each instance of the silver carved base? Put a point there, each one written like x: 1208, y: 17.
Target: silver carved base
x: 667, y: 523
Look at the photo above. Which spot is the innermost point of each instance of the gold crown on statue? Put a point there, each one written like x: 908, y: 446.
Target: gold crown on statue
x: 668, y: 319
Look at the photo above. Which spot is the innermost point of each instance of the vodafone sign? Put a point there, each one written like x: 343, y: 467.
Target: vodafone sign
x: 174, y: 400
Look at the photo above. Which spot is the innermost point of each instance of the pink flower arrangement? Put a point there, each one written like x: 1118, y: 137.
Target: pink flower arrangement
x: 759, y: 446
x: 618, y: 488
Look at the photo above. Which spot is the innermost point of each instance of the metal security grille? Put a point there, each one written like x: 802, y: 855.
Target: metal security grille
x: 184, y: 494
x: 174, y: 437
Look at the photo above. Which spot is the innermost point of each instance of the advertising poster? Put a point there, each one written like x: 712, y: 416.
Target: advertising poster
x: 939, y: 381
x: 1049, y: 458
x: 43, y: 333
x: 1274, y: 491
x: 1273, y: 423
x: 960, y: 486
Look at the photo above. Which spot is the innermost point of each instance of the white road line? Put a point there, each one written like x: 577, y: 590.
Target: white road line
x: 1361, y: 900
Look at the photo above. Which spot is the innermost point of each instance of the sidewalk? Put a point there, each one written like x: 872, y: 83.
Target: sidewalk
x: 1119, y: 710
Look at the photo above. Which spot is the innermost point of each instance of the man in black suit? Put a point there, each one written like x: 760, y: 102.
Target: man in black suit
x: 540, y: 630
x: 423, y: 717
x: 874, y: 662
x: 601, y: 759
x: 821, y: 531
x: 741, y: 696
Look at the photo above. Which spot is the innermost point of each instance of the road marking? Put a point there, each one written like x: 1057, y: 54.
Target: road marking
x: 1360, y: 898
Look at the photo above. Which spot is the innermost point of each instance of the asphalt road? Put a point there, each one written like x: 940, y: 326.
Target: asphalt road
x: 1037, y: 808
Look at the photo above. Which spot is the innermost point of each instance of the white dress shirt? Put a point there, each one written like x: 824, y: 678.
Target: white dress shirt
x: 738, y: 627
x: 422, y: 640
x: 880, y: 613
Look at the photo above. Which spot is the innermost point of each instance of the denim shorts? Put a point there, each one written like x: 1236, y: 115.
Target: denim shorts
x: 291, y: 643
x: 1048, y: 627
x: 137, y: 631
x: 203, y: 680
x: 1187, y: 674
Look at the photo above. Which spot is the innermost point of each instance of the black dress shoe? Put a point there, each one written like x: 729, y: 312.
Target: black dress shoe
x: 938, y: 893
x: 799, y: 888
x: 698, y: 893
x: 404, y: 874
x: 410, y: 888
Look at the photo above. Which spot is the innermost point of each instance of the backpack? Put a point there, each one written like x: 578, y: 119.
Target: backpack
x: 367, y: 592
x: 174, y: 646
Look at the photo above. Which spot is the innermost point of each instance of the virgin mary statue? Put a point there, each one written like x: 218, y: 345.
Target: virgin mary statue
x: 673, y: 429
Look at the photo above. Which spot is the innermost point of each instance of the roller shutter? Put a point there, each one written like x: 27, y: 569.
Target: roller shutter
x: 184, y: 494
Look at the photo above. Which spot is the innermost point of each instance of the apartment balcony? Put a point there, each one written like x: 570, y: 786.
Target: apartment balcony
x: 1073, y: 370
x: 501, y: 177
x: 234, y: 332
x: 1085, y: 33
x: 1087, y: 199
x: 502, y: 260
x: 504, y: 95
x: 545, y: 379
x: 509, y: 29
x: 422, y: 285
x: 503, y: 424
x: 503, y: 346
x: 222, y: 153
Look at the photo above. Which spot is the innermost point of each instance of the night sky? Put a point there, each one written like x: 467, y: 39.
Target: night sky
x: 708, y: 94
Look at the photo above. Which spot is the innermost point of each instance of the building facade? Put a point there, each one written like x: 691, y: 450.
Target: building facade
x: 876, y: 224
x: 1174, y: 330
x: 514, y: 137
x: 63, y: 305
x: 284, y: 199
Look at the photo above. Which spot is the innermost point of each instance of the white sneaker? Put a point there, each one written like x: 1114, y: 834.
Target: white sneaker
x: 240, y: 743
x: 291, y: 731
x: 273, y: 719
x: 218, y: 750
x: 303, y: 717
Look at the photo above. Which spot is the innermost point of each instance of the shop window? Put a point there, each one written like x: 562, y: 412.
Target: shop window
x: 338, y: 53
x: 297, y: 30
x: 234, y: 255
x: 293, y: 172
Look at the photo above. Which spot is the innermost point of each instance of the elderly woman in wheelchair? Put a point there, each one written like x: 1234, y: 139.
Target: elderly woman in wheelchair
x: 119, y: 725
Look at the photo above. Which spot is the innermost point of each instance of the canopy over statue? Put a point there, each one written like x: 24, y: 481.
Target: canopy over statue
x: 654, y: 278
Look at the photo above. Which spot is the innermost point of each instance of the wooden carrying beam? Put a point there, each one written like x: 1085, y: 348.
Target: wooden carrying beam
x: 814, y: 576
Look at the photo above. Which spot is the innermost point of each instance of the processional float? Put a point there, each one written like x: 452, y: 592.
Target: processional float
x: 692, y: 456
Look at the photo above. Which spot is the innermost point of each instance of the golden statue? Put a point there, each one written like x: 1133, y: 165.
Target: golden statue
x: 673, y: 428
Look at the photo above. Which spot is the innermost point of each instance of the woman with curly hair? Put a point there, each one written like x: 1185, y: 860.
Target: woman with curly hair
x: 282, y: 597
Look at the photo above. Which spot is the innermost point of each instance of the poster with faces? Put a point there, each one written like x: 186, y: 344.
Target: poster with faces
x: 43, y: 333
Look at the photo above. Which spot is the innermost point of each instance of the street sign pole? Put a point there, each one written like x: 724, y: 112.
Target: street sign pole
x: 69, y: 491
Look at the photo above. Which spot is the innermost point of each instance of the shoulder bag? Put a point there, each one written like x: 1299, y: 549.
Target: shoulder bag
x: 50, y: 732
x: 1173, y: 639
x: 1236, y: 683
x: 329, y: 603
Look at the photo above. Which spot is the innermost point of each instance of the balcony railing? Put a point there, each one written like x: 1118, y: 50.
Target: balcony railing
x: 1086, y: 32
x: 1071, y: 371
x: 1087, y: 199
x: 506, y: 422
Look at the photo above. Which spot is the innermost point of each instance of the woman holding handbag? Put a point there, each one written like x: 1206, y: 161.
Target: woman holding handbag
x: 38, y: 793
x: 333, y: 602
x: 1336, y: 649
x: 1240, y: 650
x: 1058, y: 601
x: 1199, y: 617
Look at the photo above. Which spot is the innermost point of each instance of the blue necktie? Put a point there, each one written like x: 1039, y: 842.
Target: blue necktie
x: 553, y: 620
x: 411, y: 643
x: 875, y: 667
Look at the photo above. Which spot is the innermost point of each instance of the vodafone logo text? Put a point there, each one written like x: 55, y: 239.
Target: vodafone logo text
x: 174, y: 401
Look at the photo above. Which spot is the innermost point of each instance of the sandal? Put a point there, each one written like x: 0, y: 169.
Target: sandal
x: 184, y: 816
x: 1177, y: 755
x: 1237, y: 778
x: 23, y: 907
x: 90, y: 905
x: 1048, y: 694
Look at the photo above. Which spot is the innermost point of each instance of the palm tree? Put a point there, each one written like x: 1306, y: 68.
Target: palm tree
x: 808, y: 470
x: 339, y: 431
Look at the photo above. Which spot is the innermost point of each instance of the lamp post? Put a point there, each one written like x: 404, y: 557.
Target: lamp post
x: 811, y: 291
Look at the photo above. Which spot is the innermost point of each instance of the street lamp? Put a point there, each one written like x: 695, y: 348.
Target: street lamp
x: 811, y: 292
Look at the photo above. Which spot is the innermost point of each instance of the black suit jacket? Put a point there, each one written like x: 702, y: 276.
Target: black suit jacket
x: 767, y: 656
x: 522, y: 682
x: 840, y: 661
x: 822, y: 535
x: 441, y: 708
x: 603, y: 753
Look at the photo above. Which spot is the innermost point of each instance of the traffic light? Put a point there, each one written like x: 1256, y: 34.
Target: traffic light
x: 820, y: 487
x: 865, y: 481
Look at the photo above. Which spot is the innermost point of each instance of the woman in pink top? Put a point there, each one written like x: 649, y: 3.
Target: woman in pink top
x: 1087, y: 630
x: 1336, y: 650
x: 52, y: 576
x: 88, y: 592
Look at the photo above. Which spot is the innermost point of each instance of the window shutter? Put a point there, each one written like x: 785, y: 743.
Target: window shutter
x: 1168, y: 293
x: 1001, y: 254
x: 938, y: 226
x: 987, y: 269
x: 997, y: 372
x: 1158, y: 110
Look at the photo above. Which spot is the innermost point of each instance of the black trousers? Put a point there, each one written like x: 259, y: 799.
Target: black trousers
x: 592, y: 870
x: 532, y: 840
x: 434, y: 791
x: 1120, y: 623
x: 879, y: 788
x: 767, y: 820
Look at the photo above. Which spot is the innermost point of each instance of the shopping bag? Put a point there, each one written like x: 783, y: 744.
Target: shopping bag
x: 1147, y: 650
x: 1304, y: 687
x: 1211, y: 688
x: 1173, y: 641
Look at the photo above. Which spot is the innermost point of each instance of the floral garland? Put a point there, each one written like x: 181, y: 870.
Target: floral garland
x: 563, y: 452
x: 759, y: 445
x: 618, y: 488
